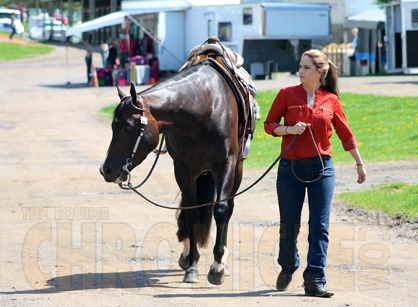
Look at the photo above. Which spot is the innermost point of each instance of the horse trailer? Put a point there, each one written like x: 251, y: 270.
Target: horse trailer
x: 402, y: 36
x: 271, y: 36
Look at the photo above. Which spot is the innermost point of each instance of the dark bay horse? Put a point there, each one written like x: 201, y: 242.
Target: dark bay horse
x: 197, y: 111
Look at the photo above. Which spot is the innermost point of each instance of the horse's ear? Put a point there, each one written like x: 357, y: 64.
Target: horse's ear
x: 120, y: 93
x: 134, y: 96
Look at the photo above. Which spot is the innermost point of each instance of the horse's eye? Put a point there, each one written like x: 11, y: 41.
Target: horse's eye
x: 128, y: 128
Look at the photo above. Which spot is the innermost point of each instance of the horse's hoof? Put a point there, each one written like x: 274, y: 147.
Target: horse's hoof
x: 216, y: 278
x: 191, y: 276
x: 184, y: 262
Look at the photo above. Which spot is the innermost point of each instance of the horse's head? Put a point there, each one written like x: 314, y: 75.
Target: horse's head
x: 135, y: 135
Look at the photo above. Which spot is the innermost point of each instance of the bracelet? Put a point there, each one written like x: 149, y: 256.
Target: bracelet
x: 286, y: 129
x: 359, y: 164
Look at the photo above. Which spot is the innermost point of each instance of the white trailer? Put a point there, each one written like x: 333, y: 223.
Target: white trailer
x: 402, y: 36
x: 268, y: 35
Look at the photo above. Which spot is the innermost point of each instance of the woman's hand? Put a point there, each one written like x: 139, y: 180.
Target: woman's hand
x: 361, y: 171
x: 299, y: 128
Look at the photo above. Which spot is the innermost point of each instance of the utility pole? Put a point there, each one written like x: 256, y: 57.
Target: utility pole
x: 70, y: 12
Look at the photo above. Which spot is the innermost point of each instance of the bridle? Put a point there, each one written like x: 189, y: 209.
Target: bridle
x: 143, y: 123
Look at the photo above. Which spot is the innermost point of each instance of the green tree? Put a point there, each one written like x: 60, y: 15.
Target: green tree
x: 24, y: 3
x: 382, y: 2
x: 38, y: 3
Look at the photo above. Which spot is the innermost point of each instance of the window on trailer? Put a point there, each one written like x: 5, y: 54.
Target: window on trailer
x: 225, y: 31
x: 248, y: 16
x: 414, y: 18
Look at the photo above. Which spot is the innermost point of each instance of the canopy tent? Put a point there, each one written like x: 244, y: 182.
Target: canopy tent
x: 112, y: 19
x: 367, y: 19
x: 119, y: 17
x: 115, y: 18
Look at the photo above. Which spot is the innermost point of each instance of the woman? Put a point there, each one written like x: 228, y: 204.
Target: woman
x: 311, y: 107
x: 88, y: 59
x: 12, y: 25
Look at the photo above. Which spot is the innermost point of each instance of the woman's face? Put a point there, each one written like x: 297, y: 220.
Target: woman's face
x: 308, y: 74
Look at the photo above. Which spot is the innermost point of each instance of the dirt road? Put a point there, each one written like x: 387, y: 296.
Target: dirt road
x: 68, y: 238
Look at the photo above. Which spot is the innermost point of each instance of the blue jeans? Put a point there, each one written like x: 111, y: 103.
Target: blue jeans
x: 291, y: 195
x: 13, y: 32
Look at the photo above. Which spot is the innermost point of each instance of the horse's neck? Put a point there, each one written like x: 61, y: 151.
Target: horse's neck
x: 179, y: 100
x: 160, y: 102
x: 167, y: 107
x: 169, y: 98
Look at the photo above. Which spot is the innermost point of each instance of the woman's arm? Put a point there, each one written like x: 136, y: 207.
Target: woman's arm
x: 361, y: 170
x: 299, y: 128
x: 275, y: 114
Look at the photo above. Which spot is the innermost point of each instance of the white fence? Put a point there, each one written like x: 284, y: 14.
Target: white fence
x: 339, y: 56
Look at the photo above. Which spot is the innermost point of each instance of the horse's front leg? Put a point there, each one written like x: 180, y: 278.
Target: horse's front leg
x: 187, y: 221
x: 228, y: 184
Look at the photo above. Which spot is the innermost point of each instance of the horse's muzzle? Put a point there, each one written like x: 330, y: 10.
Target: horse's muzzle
x: 111, y: 175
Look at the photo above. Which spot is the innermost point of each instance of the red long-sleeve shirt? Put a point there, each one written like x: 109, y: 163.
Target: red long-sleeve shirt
x: 291, y: 103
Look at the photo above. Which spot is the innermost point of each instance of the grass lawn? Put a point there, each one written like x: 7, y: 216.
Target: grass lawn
x: 396, y: 200
x: 107, y: 112
x: 17, y: 49
x: 386, y: 129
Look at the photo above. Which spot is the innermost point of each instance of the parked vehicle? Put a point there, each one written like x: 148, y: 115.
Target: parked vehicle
x: 47, y: 30
x: 6, y: 19
x: 21, y: 9
x: 61, y: 17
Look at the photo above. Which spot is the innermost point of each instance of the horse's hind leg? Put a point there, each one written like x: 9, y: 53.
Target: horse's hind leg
x: 222, y: 213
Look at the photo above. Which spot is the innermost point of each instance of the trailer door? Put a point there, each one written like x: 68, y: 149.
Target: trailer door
x: 210, y: 24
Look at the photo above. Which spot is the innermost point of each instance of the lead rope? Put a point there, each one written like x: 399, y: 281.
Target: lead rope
x: 293, y: 142
x: 130, y: 187
x: 319, y: 155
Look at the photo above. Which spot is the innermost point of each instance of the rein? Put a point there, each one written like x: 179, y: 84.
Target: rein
x: 129, y: 185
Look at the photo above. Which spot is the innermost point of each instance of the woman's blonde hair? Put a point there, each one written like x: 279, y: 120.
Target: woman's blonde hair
x: 329, y: 77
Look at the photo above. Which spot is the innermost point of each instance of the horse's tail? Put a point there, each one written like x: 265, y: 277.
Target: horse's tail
x: 205, y: 188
